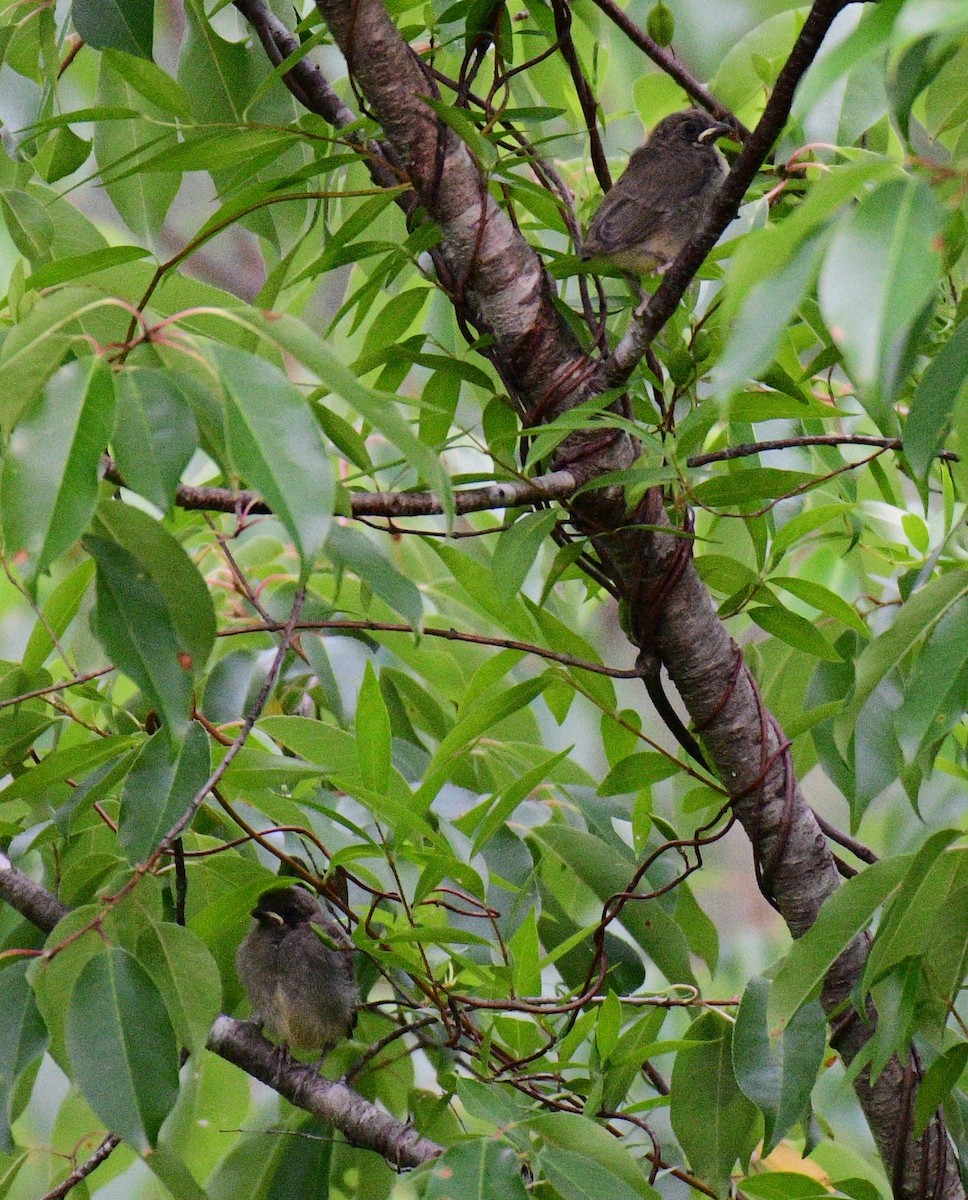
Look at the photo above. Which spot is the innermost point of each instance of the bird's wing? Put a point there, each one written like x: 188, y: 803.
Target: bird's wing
x: 640, y: 203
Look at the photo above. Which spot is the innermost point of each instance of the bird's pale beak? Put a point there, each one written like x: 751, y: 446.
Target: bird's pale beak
x: 714, y: 132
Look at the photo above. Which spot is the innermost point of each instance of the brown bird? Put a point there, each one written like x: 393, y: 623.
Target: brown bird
x: 659, y: 200
x: 301, y: 989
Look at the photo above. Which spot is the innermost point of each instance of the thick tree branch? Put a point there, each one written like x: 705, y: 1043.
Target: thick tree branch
x: 511, y: 493
x: 240, y: 1042
x: 360, y: 1122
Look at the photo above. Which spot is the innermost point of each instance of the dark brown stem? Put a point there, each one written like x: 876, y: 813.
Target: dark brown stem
x: 618, y: 367
x: 671, y: 65
x: 746, y: 449
x: 82, y: 1171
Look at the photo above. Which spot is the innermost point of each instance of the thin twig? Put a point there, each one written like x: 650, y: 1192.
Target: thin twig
x: 819, y: 439
x: 82, y: 1171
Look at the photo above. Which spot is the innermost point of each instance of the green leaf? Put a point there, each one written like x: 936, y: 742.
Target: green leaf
x: 162, y: 560
x: 764, y: 316
x: 479, y: 1169
x: 793, y: 629
x: 778, y: 1081
x: 938, y: 1082
x: 187, y: 977
x: 637, y: 771
x: 578, y: 1151
x: 33, y: 350
x: 845, y: 914
x: 880, y: 270
x: 504, y: 803
x: 277, y: 448
x: 461, y: 123
x: 305, y: 346
x: 468, y: 729
x: 373, y: 746
x: 608, y: 1026
x: 934, y: 400
x: 919, y: 614
x: 713, y: 1120
x: 934, y: 698
x: 61, y: 154
x: 931, y: 882
x: 747, y: 485
x: 122, y: 1046
x: 60, y: 765
x: 149, y: 81
x: 517, y: 551
x: 661, y: 24
x: 76, y: 266
x: 822, y: 599
x: 156, y: 434
x: 606, y: 871
x: 161, y: 784
x: 23, y: 1039
x: 49, y: 485
x: 351, y: 549
x: 142, y: 200
x: 116, y: 24
x: 28, y: 223
x: 134, y: 625
x: 575, y: 1177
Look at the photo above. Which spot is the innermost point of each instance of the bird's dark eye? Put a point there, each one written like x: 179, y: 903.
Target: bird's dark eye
x: 695, y: 130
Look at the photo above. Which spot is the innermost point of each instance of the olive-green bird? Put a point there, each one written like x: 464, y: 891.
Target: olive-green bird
x: 659, y: 200
x: 300, y: 988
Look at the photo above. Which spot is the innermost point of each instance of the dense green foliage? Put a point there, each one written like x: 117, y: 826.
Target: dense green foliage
x: 202, y: 280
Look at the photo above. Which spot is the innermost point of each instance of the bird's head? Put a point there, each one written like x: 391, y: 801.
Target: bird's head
x: 285, y: 907
x: 692, y: 127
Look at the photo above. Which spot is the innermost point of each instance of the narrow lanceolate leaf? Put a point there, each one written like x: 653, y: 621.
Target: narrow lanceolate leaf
x: 481, y: 718
x: 764, y: 315
x: 934, y: 401
x: 155, y: 436
x: 711, y: 1117
x: 160, y: 786
x: 844, y: 915
x: 142, y: 200
x: 135, y: 627
x: 116, y: 24
x: 28, y: 223
x: 306, y: 347
x: 606, y: 871
x: 934, y: 877
x: 122, y: 1046
x: 60, y: 609
x: 880, y: 271
x: 373, y: 744
x: 918, y: 616
x: 349, y: 549
x: 49, y: 486
x: 571, y: 1140
x: 35, y: 347
x: 276, y: 447
x: 23, y: 1038
x: 482, y: 1169
x: 777, y: 1079
x: 184, y: 971
x: 162, y: 560
x: 936, y: 1086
